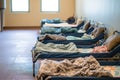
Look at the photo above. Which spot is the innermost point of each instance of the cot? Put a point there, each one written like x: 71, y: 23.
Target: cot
x: 83, y: 66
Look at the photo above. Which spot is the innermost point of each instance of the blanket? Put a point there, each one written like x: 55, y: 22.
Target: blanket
x: 60, y: 25
x: 114, y: 70
x: 45, y: 29
x: 58, y: 30
x: 84, y: 37
x: 51, y: 37
x: 59, y: 37
x: 83, y: 67
x: 51, y: 47
x: 100, y: 49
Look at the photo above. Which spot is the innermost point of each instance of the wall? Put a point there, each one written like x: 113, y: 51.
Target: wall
x: 0, y: 21
x: 34, y: 16
x: 105, y: 11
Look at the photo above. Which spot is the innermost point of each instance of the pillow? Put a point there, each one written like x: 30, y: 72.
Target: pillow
x: 112, y: 41
x: 98, y: 31
x: 86, y: 26
x: 78, y: 21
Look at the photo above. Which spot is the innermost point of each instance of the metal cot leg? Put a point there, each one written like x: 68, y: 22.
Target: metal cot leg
x: 33, y: 69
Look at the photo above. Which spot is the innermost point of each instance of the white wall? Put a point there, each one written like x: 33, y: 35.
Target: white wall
x: 0, y: 20
x: 105, y: 11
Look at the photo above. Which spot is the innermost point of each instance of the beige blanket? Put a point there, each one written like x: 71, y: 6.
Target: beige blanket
x: 87, y: 66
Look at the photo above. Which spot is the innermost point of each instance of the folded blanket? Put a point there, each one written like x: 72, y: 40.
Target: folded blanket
x: 87, y: 66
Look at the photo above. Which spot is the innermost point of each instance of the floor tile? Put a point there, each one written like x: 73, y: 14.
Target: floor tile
x: 15, y: 54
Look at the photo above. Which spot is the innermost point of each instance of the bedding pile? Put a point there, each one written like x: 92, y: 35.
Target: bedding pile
x: 83, y: 67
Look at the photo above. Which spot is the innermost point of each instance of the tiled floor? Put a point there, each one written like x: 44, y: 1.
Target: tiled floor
x: 15, y: 54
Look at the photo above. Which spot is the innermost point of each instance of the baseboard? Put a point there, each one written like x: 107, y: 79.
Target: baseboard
x: 20, y: 27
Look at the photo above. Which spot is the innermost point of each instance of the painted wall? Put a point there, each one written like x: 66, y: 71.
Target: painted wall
x: 105, y: 11
x: 34, y: 16
x: 0, y: 21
